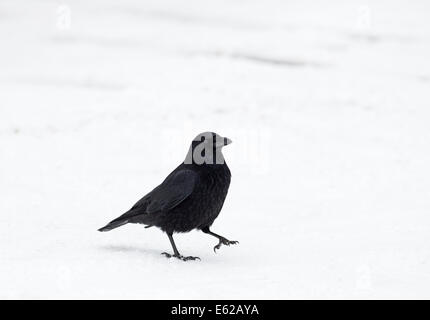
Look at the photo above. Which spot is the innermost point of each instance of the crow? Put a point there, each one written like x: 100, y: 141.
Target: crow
x: 191, y: 197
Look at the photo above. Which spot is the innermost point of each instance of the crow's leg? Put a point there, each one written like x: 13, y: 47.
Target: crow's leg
x: 222, y: 240
x: 176, y: 252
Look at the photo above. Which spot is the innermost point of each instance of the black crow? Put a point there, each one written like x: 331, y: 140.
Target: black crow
x: 191, y: 197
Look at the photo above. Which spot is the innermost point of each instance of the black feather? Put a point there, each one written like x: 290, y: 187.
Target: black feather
x: 191, y: 197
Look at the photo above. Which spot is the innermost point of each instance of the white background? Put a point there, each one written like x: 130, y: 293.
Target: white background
x: 328, y: 107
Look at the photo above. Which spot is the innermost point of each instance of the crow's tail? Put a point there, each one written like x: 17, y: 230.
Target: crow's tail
x: 127, y: 217
x: 114, y: 224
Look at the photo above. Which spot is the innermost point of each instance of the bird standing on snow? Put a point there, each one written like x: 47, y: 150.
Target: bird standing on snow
x: 191, y: 197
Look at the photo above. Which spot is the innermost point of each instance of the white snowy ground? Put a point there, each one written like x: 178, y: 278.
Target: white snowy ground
x: 328, y: 107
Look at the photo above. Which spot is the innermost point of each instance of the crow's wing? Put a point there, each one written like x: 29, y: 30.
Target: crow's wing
x: 177, y: 187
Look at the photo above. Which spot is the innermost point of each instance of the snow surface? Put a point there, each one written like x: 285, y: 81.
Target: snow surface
x: 328, y: 107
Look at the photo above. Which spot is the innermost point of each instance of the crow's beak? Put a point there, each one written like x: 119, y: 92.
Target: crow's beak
x: 222, y: 142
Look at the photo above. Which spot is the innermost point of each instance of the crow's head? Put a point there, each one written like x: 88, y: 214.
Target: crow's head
x: 206, y: 149
x: 211, y: 139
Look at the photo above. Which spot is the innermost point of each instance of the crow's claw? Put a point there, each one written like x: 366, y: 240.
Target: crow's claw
x: 189, y: 258
x: 224, y: 241
x: 168, y: 255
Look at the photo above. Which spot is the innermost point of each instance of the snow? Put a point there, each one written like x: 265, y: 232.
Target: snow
x: 327, y: 105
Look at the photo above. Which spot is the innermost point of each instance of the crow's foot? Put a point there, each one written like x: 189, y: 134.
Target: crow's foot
x: 168, y: 255
x: 224, y: 241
